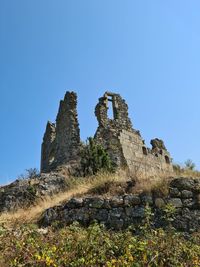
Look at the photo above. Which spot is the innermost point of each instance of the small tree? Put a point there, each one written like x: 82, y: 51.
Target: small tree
x: 29, y: 174
x: 189, y: 165
x: 94, y: 158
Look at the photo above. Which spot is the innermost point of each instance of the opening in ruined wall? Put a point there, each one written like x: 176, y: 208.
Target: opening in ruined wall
x: 144, y: 150
x: 110, y: 112
x: 167, y: 160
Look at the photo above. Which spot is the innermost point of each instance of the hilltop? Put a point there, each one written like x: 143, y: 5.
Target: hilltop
x: 111, y: 201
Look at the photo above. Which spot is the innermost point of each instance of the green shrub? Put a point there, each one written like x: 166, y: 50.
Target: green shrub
x: 94, y: 158
x: 75, y: 246
x: 29, y: 174
x: 32, y: 190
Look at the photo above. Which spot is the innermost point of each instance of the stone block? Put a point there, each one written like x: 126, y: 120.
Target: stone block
x: 138, y: 212
x: 116, y: 201
x: 176, y: 202
x: 101, y: 215
x: 146, y: 199
x: 129, y: 211
x: 159, y: 203
x: 131, y: 200
x: 174, y: 192
x: 74, y: 203
x: 94, y: 202
x: 186, y: 194
x: 183, y: 183
x: 189, y: 202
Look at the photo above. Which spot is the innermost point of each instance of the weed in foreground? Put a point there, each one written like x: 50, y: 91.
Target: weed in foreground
x: 96, y: 246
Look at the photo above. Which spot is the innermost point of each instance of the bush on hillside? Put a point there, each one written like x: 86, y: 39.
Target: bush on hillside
x: 95, y: 246
x: 29, y: 174
x: 94, y: 158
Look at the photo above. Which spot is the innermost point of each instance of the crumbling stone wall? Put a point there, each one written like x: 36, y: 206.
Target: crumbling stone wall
x: 124, y: 144
x: 61, y: 141
x: 108, y: 131
x: 121, y: 211
x: 48, y: 147
x: 67, y: 129
x: 120, y: 112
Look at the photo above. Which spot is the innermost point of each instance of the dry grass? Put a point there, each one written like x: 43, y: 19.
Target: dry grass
x: 77, y: 188
x: 159, y: 185
x: 187, y: 173
x: 106, y: 184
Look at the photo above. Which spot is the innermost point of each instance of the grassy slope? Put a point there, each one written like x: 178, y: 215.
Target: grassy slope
x: 22, y: 244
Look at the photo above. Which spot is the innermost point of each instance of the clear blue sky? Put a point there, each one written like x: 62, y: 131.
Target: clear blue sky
x: 148, y: 51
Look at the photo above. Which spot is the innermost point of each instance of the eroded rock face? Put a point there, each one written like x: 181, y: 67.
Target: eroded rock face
x: 119, y: 212
x: 25, y: 193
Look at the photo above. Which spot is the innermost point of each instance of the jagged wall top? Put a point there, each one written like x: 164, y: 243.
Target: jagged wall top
x: 67, y: 129
x: 120, y: 112
x: 62, y: 140
x: 61, y: 143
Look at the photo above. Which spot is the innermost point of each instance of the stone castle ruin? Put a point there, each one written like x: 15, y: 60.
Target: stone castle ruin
x: 125, y: 146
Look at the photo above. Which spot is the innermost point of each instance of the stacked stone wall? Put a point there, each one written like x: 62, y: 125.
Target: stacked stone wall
x: 141, y: 160
x: 119, y: 212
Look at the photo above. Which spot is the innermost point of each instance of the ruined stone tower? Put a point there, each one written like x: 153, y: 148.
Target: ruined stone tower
x: 61, y: 142
x: 124, y: 144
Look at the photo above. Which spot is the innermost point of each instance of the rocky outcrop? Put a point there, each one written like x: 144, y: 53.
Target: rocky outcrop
x: 119, y: 212
x: 24, y: 193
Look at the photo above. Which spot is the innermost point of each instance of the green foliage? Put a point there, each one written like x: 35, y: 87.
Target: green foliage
x: 169, y: 213
x: 75, y: 246
x: 32, y: 190
x: 94, y: 158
